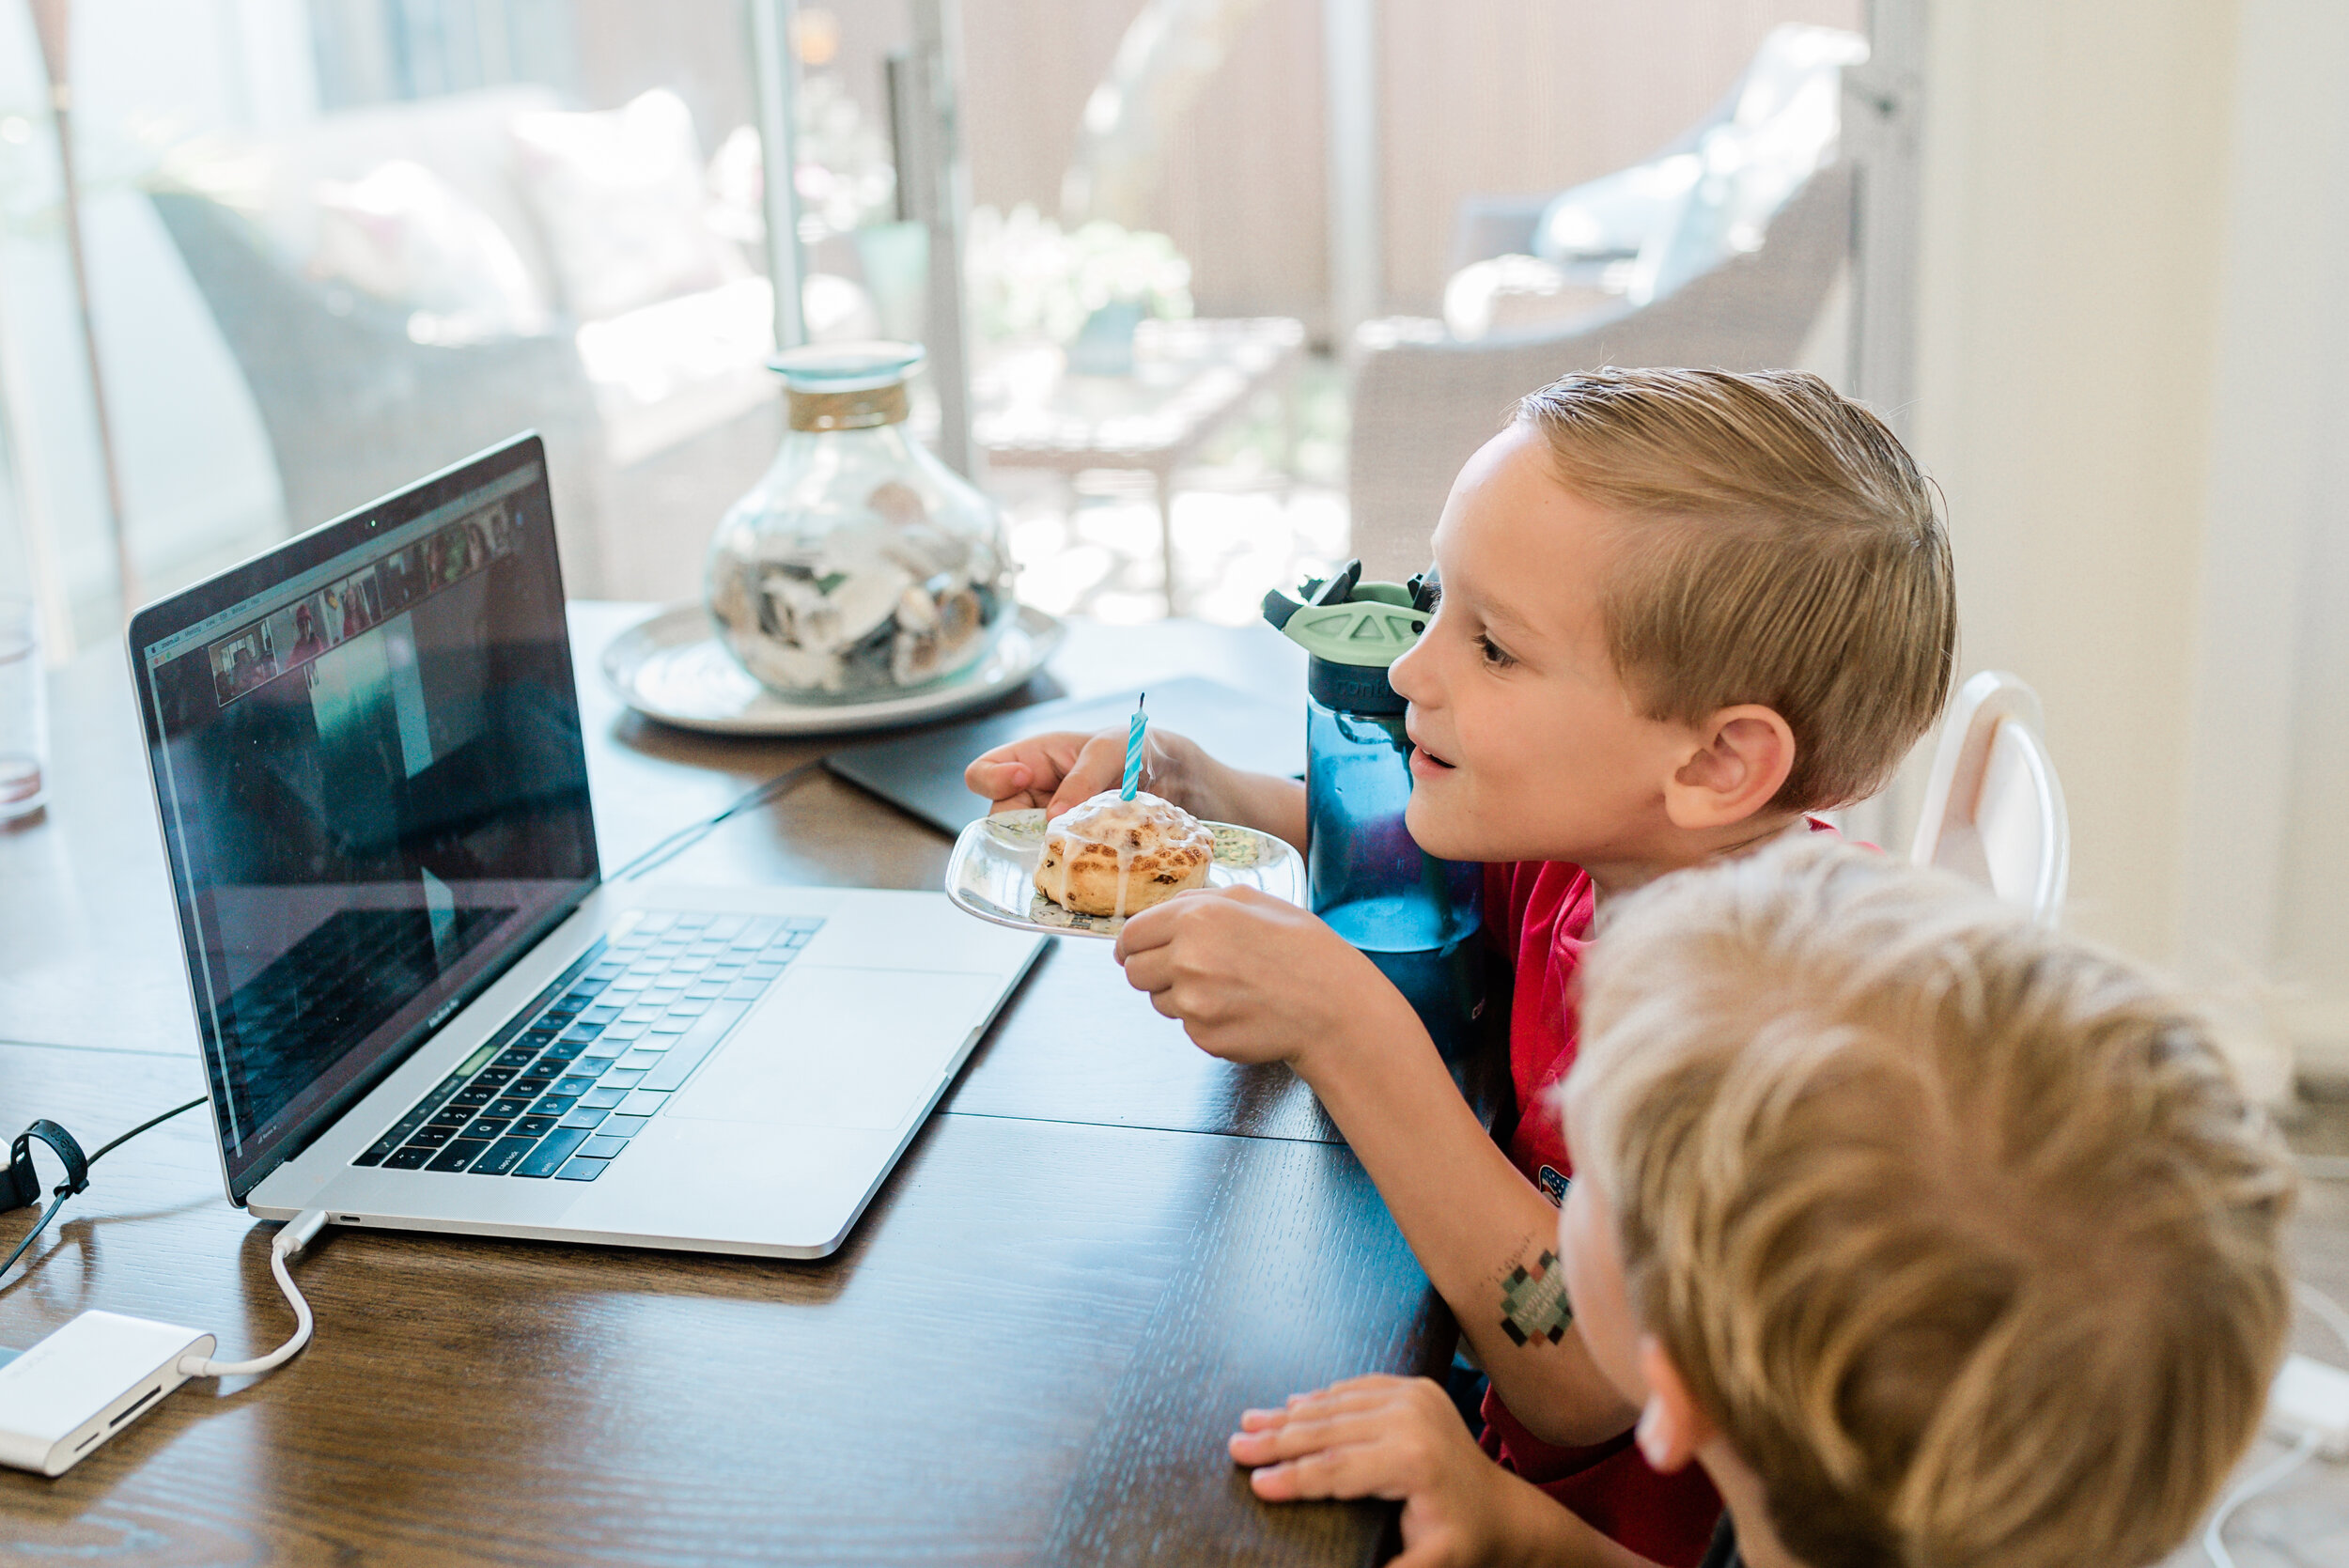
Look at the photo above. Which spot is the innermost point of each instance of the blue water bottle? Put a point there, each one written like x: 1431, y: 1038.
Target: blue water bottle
x: 1414, y: 916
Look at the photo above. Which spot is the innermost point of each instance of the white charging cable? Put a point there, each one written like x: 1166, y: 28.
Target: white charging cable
x: 290, y: 1240
x: 2213, y: 1542
x: 2329, y: 1312
x: 2333, y: 1316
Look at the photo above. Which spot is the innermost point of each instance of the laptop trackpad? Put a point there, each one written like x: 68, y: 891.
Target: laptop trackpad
x: 840, y: 1048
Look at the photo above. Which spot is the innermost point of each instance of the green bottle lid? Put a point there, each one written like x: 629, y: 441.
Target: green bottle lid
x: 1345, y: 620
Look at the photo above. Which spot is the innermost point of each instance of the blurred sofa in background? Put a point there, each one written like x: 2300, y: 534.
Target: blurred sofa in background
x: 402, y: 285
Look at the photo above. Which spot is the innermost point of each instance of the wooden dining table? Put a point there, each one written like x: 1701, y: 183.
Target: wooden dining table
x: 1102, y: 1247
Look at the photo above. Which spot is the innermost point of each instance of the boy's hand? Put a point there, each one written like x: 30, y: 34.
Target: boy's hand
x: 1394, y: 1438
x: 1251, y: 977
x: 1065, y: 768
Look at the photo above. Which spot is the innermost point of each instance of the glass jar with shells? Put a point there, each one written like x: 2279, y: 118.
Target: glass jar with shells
x: 859, y: 566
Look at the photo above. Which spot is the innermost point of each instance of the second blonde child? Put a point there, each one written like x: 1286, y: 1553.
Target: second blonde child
x: 1935, y: 1238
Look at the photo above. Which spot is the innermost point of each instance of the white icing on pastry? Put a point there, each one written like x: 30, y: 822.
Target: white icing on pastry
x: 1171, y: 846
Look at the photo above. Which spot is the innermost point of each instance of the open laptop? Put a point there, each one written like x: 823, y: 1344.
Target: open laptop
x: 421, y: 1005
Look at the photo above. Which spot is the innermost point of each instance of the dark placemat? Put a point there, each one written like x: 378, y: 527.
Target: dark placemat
x: 922, y: 772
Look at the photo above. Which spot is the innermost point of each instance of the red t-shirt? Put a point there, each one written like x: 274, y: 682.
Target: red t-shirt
x: 1540, y: 912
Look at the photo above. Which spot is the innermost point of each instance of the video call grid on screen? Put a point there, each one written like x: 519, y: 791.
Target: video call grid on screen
x: 369, y: 773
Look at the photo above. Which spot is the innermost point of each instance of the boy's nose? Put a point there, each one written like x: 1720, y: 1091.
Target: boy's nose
x: 1405, y: 675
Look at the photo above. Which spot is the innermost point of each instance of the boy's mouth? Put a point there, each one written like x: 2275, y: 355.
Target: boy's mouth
x: 1422, y: 758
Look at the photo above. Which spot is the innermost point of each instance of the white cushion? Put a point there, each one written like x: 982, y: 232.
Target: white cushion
x: 404, y: 234
x: 461, y: 137
x: 619, y: 196
x: 1517, y: 293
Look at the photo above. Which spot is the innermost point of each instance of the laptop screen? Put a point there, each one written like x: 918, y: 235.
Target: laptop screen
x: 374, y: 795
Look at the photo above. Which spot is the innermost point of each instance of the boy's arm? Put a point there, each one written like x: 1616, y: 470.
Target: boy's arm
x: 1060, y: 770
x: 1486, y: 1235
x: 1400, y: 1438
x: 1255, y: 979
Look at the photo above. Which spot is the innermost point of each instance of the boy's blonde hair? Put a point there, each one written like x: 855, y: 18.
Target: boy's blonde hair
x: 1959, y: 1230
x: 1784, y: 551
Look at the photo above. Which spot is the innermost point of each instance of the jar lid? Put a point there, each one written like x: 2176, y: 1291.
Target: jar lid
x: 865, y: 366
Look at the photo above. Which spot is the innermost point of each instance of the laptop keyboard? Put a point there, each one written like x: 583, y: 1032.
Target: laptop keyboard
x: 596, y: 1054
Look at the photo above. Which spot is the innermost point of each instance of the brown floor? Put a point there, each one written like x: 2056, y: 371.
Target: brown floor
x: 2304, y: 1522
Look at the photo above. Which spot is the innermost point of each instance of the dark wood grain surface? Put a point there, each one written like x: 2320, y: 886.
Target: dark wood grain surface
x: 1040, y: 1333
x: 1032, y: 1348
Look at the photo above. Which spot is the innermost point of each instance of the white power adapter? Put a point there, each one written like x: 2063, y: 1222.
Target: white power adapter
x: 67, y: 1395
x: 2309, y: 1399
x: 94, y: 1376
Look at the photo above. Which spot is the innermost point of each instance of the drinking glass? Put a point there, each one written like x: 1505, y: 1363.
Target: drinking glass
x: 23, y: 717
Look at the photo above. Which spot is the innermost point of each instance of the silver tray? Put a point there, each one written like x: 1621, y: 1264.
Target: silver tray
x: 991, y: 873
x: 673, y: 668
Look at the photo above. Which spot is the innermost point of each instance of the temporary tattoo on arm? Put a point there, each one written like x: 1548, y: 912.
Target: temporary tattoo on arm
x: 1533, y: 1303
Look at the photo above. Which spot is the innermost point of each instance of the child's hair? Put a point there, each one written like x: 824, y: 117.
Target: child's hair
x: 1958, y: 1229
x: 1785, y: 552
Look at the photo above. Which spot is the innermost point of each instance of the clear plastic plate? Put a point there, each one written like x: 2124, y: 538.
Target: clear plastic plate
x: 992, y: 873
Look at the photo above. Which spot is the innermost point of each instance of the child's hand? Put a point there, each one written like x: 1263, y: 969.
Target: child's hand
x: 1065, y: 768
x: 1253, y: 978
x: 1394, y: 1438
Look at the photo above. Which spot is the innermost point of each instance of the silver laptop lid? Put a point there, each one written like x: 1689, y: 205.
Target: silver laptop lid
x: 366, y: 758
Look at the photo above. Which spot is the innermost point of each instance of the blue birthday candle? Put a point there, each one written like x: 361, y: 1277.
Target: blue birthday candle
x: 1133, y: 749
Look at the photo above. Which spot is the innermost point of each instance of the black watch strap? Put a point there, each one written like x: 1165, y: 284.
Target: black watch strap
x: 20, y: 1184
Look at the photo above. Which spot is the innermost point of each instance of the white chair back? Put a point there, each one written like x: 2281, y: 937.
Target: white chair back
x: 1994, y: 810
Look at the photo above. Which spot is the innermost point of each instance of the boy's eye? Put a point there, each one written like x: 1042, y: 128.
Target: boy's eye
x: 1495, y: 655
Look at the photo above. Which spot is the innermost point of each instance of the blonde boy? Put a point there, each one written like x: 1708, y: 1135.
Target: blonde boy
x: 1681, y: 610
x: 1933, y: 1238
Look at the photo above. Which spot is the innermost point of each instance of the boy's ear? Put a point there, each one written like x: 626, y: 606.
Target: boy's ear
x: 1743, y: 756
x: 1672, y: 1426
